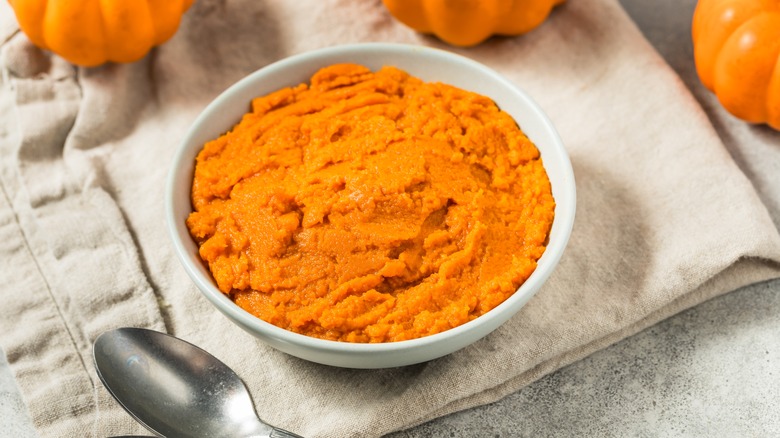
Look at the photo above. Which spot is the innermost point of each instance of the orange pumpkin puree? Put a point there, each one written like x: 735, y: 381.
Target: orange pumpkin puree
x: 371, y: 207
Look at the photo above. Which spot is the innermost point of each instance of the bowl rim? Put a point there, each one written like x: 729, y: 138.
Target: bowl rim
x: 564, y: 212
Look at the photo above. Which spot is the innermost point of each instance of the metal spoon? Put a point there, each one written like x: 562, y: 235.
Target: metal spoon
x: 176, y: 389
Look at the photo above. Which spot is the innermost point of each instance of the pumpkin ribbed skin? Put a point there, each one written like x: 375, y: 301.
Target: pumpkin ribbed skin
x: 93, y: 32
x: 469, y: 22
x: 737, y: 54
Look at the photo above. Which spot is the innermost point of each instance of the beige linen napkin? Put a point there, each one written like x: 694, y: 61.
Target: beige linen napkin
x: 665, y: 219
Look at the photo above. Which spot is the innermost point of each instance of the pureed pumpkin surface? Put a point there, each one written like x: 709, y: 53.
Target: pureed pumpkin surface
x: 371, y: 207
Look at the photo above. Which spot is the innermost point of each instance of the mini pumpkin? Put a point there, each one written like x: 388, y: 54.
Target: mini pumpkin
x: 737, y: 55
x: 469, y: 22
x: 92, y: 32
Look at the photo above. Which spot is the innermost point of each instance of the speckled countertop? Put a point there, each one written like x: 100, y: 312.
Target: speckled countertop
x: 713, y: 370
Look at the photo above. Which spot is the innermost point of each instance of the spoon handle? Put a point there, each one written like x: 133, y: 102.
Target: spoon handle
x: 281, y: 433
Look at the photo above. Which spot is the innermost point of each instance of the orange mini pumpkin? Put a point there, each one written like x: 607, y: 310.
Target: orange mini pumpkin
x: 469, y: 22
x: 92, y: 32
x: 737, y: 54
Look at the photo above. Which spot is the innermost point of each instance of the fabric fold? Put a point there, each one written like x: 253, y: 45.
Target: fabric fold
x: 71, y: 268
x: 665, y: 219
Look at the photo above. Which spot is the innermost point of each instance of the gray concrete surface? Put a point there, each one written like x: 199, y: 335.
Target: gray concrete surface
x: 713, y: 370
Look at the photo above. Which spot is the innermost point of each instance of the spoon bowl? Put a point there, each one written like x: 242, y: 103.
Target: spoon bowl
x: 174, y: 388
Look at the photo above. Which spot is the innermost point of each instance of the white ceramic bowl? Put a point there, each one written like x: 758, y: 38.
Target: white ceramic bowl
x: 430, y: 65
